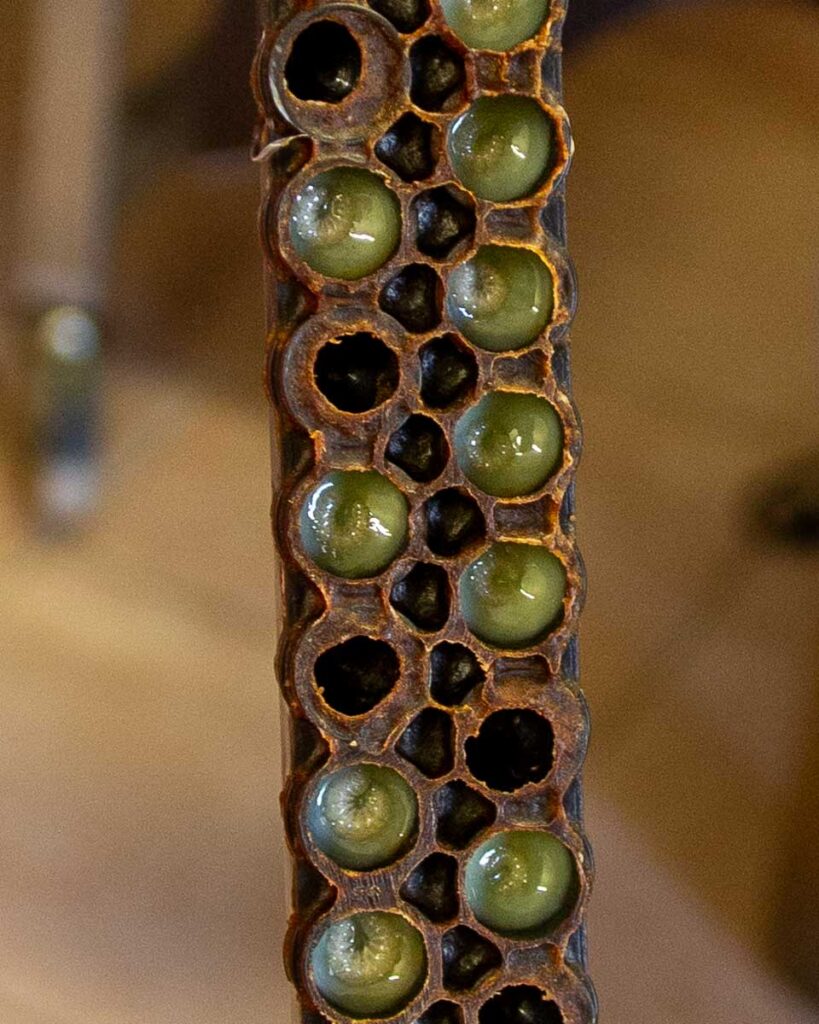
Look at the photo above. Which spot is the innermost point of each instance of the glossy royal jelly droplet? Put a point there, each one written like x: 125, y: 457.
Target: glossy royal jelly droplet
x: 354, y: 523
x: 512, y: 594
x: 363, y: 816
x: 495, y: 24
x: 345, y: 223
x: 509, y: 444
x: 501, y: 147
x: 369, y: 965
x: 502, y: 298
x: 518, y: 883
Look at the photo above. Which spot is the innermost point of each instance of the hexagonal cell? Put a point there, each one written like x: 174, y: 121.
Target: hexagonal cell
x: 427, y: 742
x: 444, y: 217
x: 419, y: 447
x: 356, y: 372
x: 356, y: 675
x: 410, y: 148
x: 442, y: 1013
x: 324, y: 63
x: 423, y: 597
x: 437, y: 73
x: 454, y: 672
x: 461, y: 814
x: 433, y: 887
x: 468, y: 958
x: 405, y: 15
x: 520, y: 1004
x: 449, y: 372
x: 413, y: 297
x: 527, y: 741
x: 454, y: 522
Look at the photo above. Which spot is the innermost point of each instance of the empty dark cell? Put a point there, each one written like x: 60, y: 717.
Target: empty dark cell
x: 442, y: 1013
x: 443, y: 218
x: 405, y: 15
x: 413, y: 297
x: 449, y: 372
x: 468, y: 957
x: 356, y: 675
x: 423, y: 596
x: 312, y: 888
x: 520, y: 1004
x: 437, y: 73
x: 427, y: 743
x: 512, y: 748
x: 454, y: 522
x: 356, y: 372
x: 433, y: 887
x: 324, y: 63
x: 409, y: 148
x: 462, y: 814
x: 419, y: 448
x: 454, y: 672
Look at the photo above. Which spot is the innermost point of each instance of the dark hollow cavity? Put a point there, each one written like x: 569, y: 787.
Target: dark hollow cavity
x: 427, y: 742
x: 356, y: 372
x: 324, y: 63
x: 356, y: 675
x: 512, y: 749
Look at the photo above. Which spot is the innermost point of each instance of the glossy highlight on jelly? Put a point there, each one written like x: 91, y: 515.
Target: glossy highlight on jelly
x: 495, y: 24
x: 519, y: 883
x: 369, y: 965
x: 354, y: 523
x: 510, y: 443
x: 502, y: 298
x: 501, y: 148
x: 512, y: 594
x: 345, y: 222
x: 363, y: 816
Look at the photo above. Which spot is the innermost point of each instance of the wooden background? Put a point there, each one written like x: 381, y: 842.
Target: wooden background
x: 141, y: 867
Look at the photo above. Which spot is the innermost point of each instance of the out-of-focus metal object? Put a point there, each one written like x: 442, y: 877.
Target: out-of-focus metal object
x: 64, y: 423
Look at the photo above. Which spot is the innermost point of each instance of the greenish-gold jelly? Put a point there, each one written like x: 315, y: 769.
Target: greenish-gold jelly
x: 512, y: 594
x: 345, y: 222
x: 501, y: 147
x: 354, y: 523
x: 519, y: 883
x: 495, y: 24
x: 502, y: 298
x: 363, y: 816
x: 370, y: 964
x: 509, y: 444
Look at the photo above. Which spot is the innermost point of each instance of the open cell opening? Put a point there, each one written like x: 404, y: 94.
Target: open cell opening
x: 419, y: 447
x: 454, y: 672
x: 454, y: 522
x: 520, y: 1004
x: 462, y: 814
x: 433, y: 888
x: 468, y: 957
x: 449, y: 372
x: 512, y: 749
x: 444, y: 217
x: 324, y: 63
x: 405, y: 15
x: 423, y: 597
x: 356, y: 372
x: 413, y: 297
x: 355, y: 676
x: 437, y: 73
x: 442, y: 1013
x: 410, y: 148
x: 427, y: 742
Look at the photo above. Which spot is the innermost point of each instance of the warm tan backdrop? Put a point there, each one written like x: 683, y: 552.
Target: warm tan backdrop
x: 140, y: 856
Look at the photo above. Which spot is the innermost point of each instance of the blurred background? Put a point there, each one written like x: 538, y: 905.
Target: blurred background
x: 141, y: 859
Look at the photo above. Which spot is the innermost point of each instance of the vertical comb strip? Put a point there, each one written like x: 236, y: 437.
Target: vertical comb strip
x: 424, y: 449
